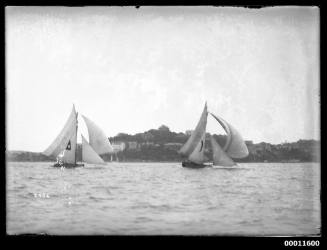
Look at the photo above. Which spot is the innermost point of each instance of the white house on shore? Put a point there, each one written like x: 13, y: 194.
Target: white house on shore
x: 118, y: 146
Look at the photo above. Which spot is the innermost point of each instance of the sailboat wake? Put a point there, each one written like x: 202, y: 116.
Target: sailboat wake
x: 229, y: 168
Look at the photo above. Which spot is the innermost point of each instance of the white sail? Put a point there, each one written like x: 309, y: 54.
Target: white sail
x: 197, y: 134
x: 61, y: 141
x: 97, y: 138
x: 197, y: 156
x: 89, y: 155
x: 219, y: 156
x: 68, y: 155
x: 235, y: 146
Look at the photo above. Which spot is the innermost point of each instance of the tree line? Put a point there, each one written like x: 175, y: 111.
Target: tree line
x: 162, y: 145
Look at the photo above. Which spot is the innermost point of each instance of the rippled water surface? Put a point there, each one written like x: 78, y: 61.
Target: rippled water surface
x: 163, y: 198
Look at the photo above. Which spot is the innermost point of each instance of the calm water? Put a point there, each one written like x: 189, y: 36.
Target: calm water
x: 164, y: 198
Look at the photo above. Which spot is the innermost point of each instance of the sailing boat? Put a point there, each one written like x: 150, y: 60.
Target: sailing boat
x: 64, y: 147
x: 193, y: 149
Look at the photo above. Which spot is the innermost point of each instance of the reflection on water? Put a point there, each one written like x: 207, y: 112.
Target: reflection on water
x: 164, y: 198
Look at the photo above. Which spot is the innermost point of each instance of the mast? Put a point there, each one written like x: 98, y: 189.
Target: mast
x: 76, y: 135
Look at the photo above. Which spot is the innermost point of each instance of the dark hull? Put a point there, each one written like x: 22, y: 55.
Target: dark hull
x: 189, y: 164
x: 66, y: 165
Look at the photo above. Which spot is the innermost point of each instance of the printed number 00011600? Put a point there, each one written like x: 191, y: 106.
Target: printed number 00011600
x: 301, y: 243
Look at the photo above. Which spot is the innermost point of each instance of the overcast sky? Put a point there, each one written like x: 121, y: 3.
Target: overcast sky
x: 130, y: 70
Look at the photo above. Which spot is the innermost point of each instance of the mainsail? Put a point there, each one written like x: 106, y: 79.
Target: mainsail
x: 235, y: 146
x: 68, y: 155
x: 66, y: 135
x: 197, y: 156
x: 219, y: 156
x: 196, y: 135
x: 89, y: 155
x: 97, y: 138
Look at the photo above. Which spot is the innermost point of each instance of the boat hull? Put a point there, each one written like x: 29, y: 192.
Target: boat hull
x: 67, y: 165
x: 189, y: 164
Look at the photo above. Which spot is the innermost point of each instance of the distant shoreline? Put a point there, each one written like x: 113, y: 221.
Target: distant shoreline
x: 177, y: 162
x: 165, y: 145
